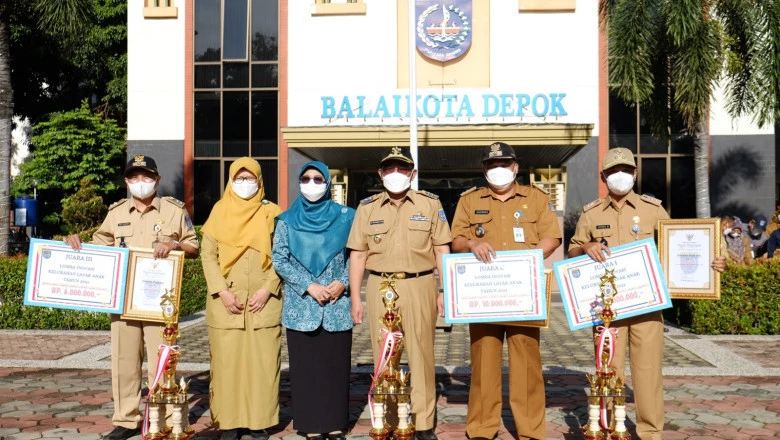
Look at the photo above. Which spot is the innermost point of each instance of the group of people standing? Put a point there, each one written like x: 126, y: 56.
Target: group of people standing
x: 320, y: 250
x: 743, y: 243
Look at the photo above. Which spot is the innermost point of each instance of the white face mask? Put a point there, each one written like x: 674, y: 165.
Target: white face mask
x: 735, y: 234
x: 620, y: 183
x: 313, y: 191
x: 500, y: 177
x: 396, y: 182
x: 142, y: 190
x: 727, y: 231
x: 245, y: 190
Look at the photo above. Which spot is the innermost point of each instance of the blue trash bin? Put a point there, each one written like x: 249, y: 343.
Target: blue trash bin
x: 25, y: 211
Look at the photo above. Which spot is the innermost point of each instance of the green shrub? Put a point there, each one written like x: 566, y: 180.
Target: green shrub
x: 749, y: 303
x: 15, y: 315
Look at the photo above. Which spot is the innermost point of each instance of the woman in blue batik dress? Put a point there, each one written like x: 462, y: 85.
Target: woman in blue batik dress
x: 309, y: 254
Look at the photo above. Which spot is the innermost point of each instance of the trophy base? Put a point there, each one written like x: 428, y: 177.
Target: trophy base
x: 380, y: 434
x: 404, y: 434
x: 623, y: 435
x: 593, y: 435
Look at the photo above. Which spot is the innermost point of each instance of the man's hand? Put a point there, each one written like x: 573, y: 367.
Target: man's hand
x: 719, y: 263
x: 357, y: 312
x: 482, y: 250
x: 231, y: 302
x: 162, y: 249
x: 259, y: 299
x: 319, y: 292
x: 440, y: 303
x: 595, y: 251
x: 74, y: 241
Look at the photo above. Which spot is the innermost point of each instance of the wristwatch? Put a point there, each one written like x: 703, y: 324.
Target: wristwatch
x: 176, y: 245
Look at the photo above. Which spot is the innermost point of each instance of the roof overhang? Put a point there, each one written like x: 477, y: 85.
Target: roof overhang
x: 453, y: 147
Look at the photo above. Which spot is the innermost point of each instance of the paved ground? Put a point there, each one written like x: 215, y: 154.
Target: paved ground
x: 57, y: 385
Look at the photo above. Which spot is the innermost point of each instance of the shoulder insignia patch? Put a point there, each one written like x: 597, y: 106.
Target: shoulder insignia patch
x: 429, y: 194
x: 651, y: 200
x: 117, y: 203
x: 174, y: 201
x: 470, y: 190
x: 592, y: 205
x: 369, y: 199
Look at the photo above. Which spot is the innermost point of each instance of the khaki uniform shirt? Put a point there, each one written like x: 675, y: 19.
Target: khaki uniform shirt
x: 400, y: 238
x: 165, y: 221
x: 529, y: 208
x: 602, y: 221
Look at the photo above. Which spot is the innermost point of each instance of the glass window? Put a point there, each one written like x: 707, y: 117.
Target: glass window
x: 235, y: 124
x: 649, y: 144
x: 207, y: 26
x: 653, y: 178
x: 207, y: 77
x: 207, y: 188
x: 270, y: 179
x: 265, y: 125
x: 265, y: 75
x: 235, y: 30
x: 683, y: 197
x: 236, y: 75
x: 622, y: 124
x: 206, y: 124
x: 265, y: 30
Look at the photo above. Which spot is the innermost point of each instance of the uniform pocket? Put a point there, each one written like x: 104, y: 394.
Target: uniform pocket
x: 419, y: 233
x: 377, y: 235
x: 528, y: 223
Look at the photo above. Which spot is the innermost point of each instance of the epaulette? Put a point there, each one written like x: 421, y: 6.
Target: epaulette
x: 370, y: 199
x: 428, y: 194
x: 541, y: 189
x: 472, y: 189
x: 117, y: 203
x: 651, y: 200
x: 592, y: 205
x: 174, y: 201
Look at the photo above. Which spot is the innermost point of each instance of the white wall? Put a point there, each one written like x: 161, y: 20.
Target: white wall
x: 155, y: 77
x: 721, y: 123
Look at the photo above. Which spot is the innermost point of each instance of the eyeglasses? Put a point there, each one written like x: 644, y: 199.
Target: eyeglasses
x: 396, y: 168
x: 251, y: 179
x: 317, y: 179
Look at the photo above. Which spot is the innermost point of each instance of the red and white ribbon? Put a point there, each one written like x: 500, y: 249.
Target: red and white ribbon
x: 163, y: 356
x: 607, y: 337
x: 389, y: 342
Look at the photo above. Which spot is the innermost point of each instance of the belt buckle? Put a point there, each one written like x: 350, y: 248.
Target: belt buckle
x: 399, y: 275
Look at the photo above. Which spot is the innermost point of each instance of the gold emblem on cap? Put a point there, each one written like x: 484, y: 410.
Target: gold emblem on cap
x: 396, y: 150
x: 139, y: 160
x: 495, y: 147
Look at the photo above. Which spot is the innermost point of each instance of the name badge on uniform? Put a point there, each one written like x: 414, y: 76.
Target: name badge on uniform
x: 519, y: 234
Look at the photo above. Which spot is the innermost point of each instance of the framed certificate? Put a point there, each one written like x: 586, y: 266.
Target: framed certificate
x: 510, y: 288
x: 148, y: 279
x: 687, y: 248
x: 91, y: 279
x: 541, y: 323
x: 639, y: 280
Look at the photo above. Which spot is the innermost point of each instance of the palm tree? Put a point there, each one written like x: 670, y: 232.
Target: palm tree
x: 63, y: 16
x: 668, y: 57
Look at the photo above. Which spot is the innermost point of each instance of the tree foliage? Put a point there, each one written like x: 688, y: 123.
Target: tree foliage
x: 66, y: 148
x: 84, y: 210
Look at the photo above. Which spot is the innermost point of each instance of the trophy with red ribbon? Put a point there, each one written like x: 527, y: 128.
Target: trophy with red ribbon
x: 604, y: 384
x: 389, y: 382
x: 164, y: 392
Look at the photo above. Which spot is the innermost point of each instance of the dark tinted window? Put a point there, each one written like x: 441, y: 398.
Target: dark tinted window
x: 265, y: 122
x: 235, y: 124
x: 207, y: 188
x: 207, y: 28
x: 265, y: 30
x: 235, y: 29
x: 206, y: 124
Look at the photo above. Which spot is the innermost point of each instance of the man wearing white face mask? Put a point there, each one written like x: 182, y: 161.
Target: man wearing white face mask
x: 504, y: 216
x: 402, y: 234
x: 621, y: 218
x: 145, y: 221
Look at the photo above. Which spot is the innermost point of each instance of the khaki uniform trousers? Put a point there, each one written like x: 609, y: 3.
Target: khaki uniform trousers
x: 417, y: 305
x: 127, y: 342
x: 645, y: 332
x: 526, y: 384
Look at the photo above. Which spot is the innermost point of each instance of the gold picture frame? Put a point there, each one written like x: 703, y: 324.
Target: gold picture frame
x: 148, y: 279
x: 686, y: 248
x: 541, y: 323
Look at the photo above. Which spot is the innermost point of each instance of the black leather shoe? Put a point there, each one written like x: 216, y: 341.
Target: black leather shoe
x: 258, y: 434
x: 229, y: 434
x: 425, y: 435
x: 337, y: 436
x: 120, y: 433
x: 315, y: 437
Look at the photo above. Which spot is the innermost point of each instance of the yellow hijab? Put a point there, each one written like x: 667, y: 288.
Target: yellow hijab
x: 238, y: 224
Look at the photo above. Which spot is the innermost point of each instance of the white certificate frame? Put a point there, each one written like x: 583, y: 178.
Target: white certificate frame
x: 640, y: 282
x: 513, y: 284
x: 148, y: 278
x: 687, y: 248
x: 91, y: 279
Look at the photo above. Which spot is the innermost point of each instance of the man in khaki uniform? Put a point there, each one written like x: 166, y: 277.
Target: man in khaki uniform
x: 144, y: 221
x: 504, y: 216
x: 621, y: 218
x: 406, y: 231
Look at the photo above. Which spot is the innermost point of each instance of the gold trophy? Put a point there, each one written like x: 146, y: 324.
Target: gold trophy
x: 604, y: 384
x: 389, y: 383
x: 166, y: 391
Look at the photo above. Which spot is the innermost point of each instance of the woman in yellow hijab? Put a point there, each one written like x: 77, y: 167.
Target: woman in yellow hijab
x: 243, y: 310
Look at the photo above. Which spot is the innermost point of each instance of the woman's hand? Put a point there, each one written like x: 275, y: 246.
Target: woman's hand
x: 259, y: 299
x: 320, y: 293
x: 336, y: 289
x: 231, y: 302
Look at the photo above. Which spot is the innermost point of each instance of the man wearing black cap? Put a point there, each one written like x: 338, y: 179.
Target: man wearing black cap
x: 401, y: 234
x: 144, y: 221
x: 504, y: 216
